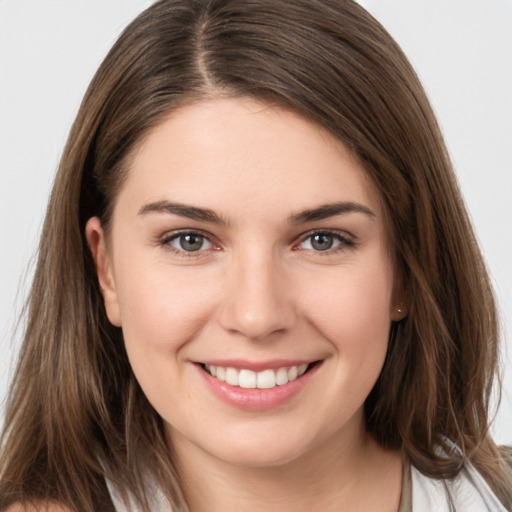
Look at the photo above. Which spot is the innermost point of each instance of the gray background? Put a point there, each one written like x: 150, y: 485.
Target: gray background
x: 49, y: 50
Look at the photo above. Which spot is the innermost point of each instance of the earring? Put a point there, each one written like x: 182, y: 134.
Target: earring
x: 399, y: 309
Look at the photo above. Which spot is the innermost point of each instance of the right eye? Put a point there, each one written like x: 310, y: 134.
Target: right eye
x: 187, y: 242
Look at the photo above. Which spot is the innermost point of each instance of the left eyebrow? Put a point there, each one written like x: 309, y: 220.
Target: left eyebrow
x: 330, y: 210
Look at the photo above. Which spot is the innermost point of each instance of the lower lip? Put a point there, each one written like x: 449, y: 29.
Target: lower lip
x: 257, y: 399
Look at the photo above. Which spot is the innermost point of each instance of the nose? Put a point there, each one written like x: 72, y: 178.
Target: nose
x: 258, y: 300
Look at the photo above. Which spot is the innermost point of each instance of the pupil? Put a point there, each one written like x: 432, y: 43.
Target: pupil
x: 322, y: 242
x: 191, y: 242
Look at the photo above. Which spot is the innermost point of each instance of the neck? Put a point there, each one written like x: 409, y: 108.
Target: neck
x: 336, y: 476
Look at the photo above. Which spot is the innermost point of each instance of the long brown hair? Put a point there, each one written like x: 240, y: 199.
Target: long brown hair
x: 76, y: 412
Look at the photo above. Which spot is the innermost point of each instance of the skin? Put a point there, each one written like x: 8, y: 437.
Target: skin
x: 258, y: 289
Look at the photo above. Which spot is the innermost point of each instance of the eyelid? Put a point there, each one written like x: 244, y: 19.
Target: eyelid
x: 346, y: 240
x: 166, y: 239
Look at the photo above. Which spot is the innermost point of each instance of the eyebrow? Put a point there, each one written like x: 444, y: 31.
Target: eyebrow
x: 183, y: 210
x: 330, y: 210
x: 206, y: 215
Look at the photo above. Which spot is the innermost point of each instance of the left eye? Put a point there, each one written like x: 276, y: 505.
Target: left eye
x: 323, y: 241
x: 189, y: 242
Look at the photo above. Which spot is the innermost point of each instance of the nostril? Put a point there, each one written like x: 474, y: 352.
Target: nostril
x: 257, y: 319
x: 256, y: 301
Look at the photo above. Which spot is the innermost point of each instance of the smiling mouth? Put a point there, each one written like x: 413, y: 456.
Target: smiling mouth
x: 249, y: 379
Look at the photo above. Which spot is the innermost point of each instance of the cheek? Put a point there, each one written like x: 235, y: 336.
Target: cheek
x: 161, y: 308
x: 351, y: 307
x: 162, y: 311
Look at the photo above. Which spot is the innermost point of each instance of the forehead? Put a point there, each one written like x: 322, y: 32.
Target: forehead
x: 224, y: 153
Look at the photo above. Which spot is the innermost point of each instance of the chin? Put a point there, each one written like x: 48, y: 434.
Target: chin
x: 259, y: 457
x: 263, y: 449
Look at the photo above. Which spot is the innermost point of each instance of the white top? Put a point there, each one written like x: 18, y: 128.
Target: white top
x: 469, y: 493
x: 159, y: 502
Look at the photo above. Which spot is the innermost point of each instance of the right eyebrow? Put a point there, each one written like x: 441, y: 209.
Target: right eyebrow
x: 183, y: 210
x: 330, y: 210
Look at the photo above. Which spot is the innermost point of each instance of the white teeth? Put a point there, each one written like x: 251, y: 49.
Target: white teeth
x: 266, y: 379
x: 249, y: 379
x: 293, y: 372
x: 232, y: 376
x: 220, y: 372
x: 282, y: 376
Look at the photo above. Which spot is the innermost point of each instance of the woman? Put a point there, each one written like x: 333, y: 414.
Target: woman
x: 257, y: 285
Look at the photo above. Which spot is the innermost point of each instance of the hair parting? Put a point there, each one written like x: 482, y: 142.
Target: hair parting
x: 76, y: 414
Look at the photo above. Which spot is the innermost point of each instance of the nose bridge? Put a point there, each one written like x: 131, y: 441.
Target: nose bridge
x: 256, y: 300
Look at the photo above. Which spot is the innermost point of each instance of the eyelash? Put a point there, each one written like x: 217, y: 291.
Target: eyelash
x: 176, y: 235
x: 344, y: 242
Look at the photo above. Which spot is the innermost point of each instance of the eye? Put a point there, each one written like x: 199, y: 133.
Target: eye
x: 320, y: 241
x: 323, y: 241
x: 189, y: 241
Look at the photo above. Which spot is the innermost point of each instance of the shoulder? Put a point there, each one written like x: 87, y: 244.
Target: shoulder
x: 50, y: 507
x: 468, y: 492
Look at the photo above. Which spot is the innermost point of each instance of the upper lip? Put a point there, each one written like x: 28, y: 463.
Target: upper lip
x: 256, y: 366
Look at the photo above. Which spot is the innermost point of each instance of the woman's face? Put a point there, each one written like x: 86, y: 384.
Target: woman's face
x: 249, y: 244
